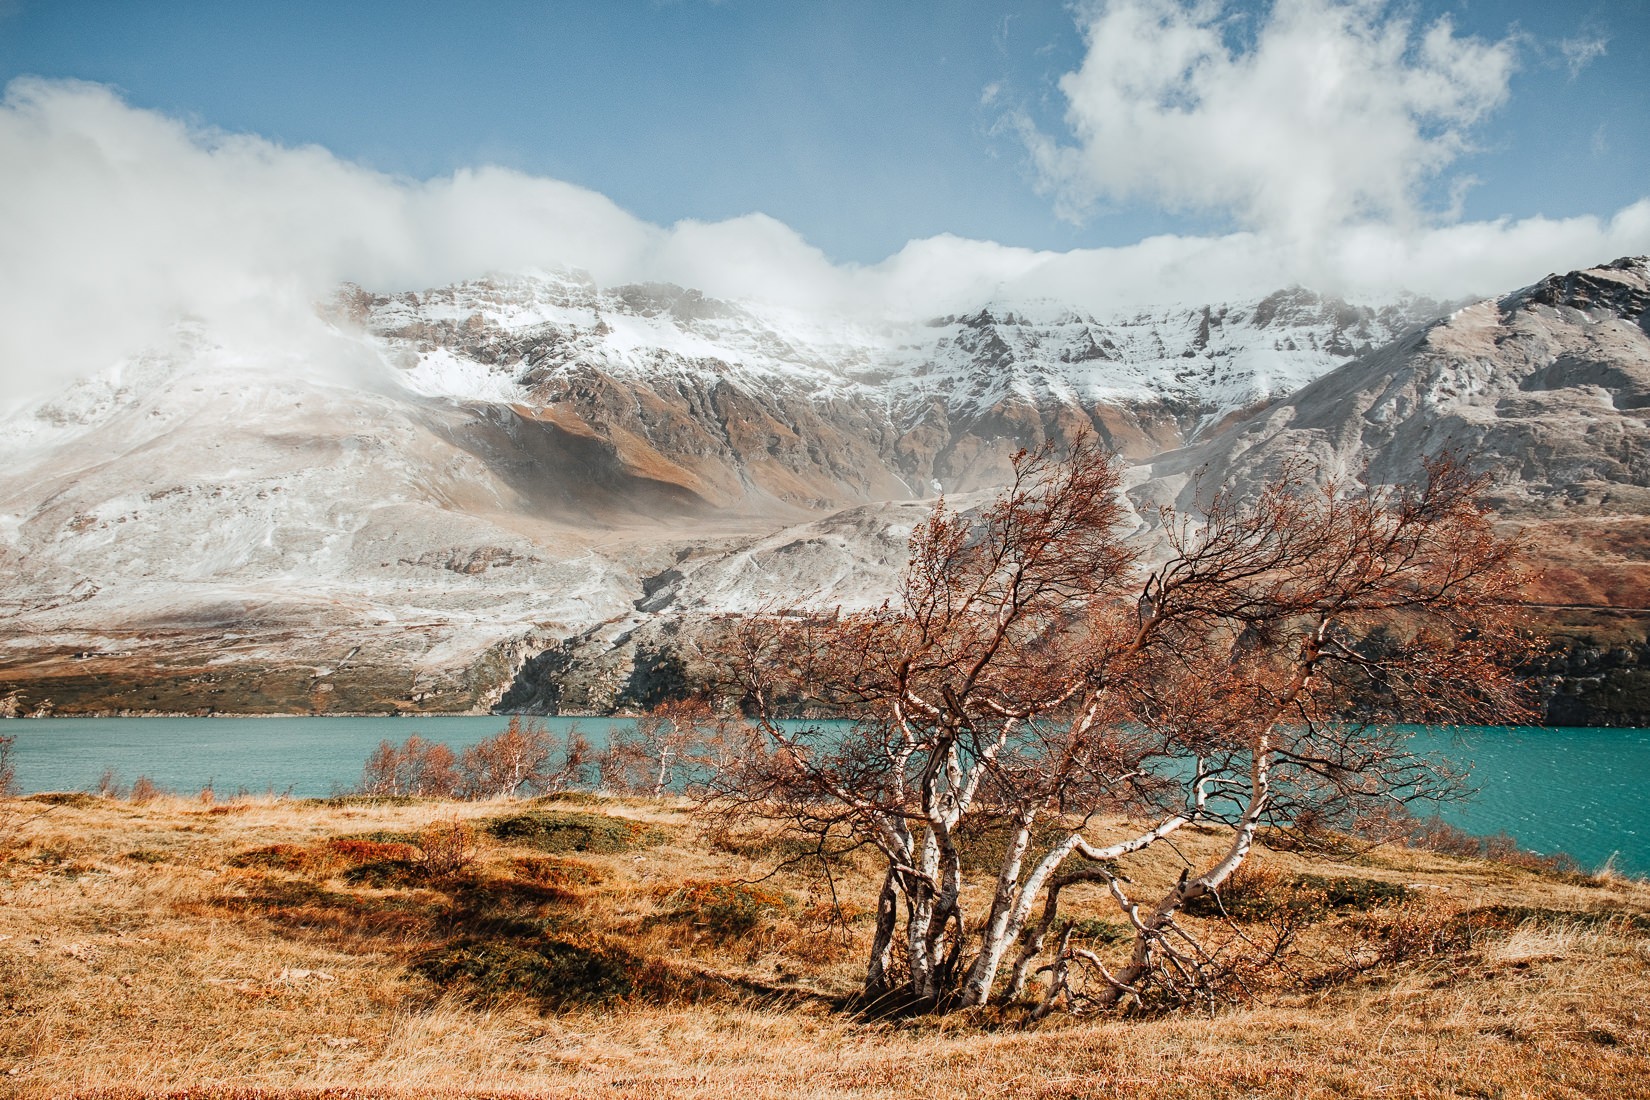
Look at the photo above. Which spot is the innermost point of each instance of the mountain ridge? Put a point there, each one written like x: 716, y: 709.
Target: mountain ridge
x: 516, y: 467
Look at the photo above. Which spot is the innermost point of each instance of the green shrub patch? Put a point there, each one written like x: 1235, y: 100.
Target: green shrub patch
x: 1261, y: 895
x: 555, y: 973
x: 724, y: 909
x: 384, y: 873
x: 574, y: 831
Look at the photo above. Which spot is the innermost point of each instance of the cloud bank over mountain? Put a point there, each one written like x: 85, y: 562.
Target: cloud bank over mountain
x: 116, y: 221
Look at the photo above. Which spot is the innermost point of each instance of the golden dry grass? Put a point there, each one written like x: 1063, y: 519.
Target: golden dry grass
x: 142, y: 954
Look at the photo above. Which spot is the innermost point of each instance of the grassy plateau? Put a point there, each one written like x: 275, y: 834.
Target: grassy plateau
x: 588, y: 947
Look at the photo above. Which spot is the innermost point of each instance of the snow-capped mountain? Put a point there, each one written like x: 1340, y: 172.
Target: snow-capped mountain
x: 1546, y: 391
x: 727, y: 401
x: 395, y: 513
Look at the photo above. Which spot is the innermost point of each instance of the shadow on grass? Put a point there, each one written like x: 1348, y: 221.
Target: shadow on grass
x: 524, y: 928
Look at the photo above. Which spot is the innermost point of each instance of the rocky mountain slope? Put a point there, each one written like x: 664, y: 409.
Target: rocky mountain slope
x: 1547, y: 393
x: 741, y: 408
x: 537, y: 489
x: 398, y: 512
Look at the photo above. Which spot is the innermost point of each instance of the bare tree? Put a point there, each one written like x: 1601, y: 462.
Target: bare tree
x: 1035, y: 679
x: 414, y: 767
x: 524, y: 758
x: 521, y: 759
x: 670, y: 748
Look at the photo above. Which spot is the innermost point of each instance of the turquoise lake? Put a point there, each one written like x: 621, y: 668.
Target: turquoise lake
x: 1579, y: 791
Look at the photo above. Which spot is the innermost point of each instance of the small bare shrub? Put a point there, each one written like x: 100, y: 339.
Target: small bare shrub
x: 8, y: 768
x: 447, y: 848
x: 109, y: 785
x: 144, y: 791
x: 1419, y: 928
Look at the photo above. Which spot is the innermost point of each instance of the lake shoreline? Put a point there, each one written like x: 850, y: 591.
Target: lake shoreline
x: 414, y: 715
x: 1553, y: 789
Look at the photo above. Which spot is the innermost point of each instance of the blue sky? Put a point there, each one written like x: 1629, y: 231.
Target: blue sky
x: 233, y: 162
x: 859, y: 125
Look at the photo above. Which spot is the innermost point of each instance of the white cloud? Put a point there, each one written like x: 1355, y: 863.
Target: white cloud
x: 1333, y: 113
x: 1581, y: 51
x: 115, y: 222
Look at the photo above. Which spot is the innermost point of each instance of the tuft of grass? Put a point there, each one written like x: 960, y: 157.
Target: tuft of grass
x: 554, y: 973
x: 573, y: 831
x: 724, y: 909
x: 325, y: 857
x: 79, y: 800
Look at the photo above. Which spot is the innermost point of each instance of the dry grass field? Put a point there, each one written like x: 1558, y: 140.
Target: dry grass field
x: 589, y: 948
